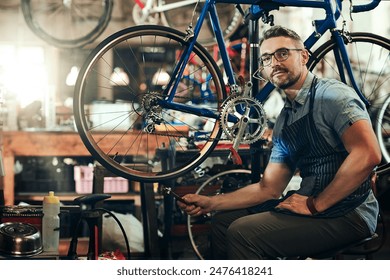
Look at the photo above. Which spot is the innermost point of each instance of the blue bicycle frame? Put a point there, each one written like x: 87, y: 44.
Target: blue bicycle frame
x: 260, y: 9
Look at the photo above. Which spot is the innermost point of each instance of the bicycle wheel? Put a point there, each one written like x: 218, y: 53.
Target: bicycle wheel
x: 67, y: 24
x: 199, y: 227
x: 383, y: 129
x: 383, y: 169
x: 369, y: 56
x: 138, y: 133
x: 179, y: 18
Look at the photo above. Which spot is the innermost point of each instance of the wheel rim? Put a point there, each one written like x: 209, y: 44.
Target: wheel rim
x: 67, y: 24
x: 211, y: 187
x: 383, y: 129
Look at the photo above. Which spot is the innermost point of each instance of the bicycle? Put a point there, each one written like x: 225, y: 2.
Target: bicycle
x: 173, y: 13
x: 77, y: 23
x: 166, y: 107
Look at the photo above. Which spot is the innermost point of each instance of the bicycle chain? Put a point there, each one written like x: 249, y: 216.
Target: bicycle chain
x: 227, y: 105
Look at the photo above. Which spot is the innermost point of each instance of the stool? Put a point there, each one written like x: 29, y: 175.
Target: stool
x: 369, y: 245
x: 365, y: 247
x: 361, y: 247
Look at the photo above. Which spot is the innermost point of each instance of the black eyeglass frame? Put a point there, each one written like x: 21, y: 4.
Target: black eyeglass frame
x: 276, y: 57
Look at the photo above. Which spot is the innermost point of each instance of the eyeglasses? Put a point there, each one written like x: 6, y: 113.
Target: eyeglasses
x: 280, y: 55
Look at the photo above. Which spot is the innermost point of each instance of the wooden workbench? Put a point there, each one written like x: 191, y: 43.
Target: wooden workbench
x: 42, y: 143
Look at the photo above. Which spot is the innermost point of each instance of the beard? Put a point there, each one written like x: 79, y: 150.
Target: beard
x: 283, y: 83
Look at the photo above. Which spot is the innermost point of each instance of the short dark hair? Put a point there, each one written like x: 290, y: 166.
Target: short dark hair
x: 280, y: 31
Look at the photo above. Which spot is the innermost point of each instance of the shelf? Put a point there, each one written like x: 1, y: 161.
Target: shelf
x: 68, y: 197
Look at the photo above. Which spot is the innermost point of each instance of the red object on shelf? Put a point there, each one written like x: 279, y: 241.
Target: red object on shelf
x: 117, y: 255
x: 226, y: 146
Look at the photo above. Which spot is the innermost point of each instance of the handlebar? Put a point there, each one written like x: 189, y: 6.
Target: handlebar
x: 365, y: 7
x: 275, y: 4
x: 262, y: 7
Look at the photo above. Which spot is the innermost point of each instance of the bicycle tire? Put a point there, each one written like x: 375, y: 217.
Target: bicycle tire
x: 384, y: 169
x: 140, y: 129
x: 383, y: 129
x: 369, y: 54
x: 67, y: 24
x: 200, y: 238
x: 229, y: 16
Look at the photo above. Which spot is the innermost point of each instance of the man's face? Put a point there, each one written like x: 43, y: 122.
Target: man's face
x: 292, y: 60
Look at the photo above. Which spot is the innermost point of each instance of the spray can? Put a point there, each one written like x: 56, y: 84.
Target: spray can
x: 51, y: 223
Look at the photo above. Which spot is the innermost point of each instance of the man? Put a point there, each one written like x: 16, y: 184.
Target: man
x: 323, y: 131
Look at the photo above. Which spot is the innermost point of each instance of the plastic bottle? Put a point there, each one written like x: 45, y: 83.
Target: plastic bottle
x: 51, y: 223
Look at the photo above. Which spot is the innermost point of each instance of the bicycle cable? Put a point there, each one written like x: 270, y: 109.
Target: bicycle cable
x: 193, y: 14
x: 121, y: 228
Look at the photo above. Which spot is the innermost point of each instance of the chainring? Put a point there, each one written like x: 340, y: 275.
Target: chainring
x: 250, y: 116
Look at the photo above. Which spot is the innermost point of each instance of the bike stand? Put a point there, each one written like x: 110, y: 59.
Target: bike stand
x: 148, y: 213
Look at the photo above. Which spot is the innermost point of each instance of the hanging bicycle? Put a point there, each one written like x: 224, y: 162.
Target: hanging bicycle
x: 77, y: 23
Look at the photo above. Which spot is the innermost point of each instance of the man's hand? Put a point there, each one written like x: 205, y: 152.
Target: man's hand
x: 295, y: 203
x: 195, y: 205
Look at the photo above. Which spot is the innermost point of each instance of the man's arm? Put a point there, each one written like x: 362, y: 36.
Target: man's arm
x: 275, y: 179
x: 364, y: 154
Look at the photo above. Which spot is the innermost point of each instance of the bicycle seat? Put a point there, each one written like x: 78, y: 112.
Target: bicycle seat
x: 91, y: 199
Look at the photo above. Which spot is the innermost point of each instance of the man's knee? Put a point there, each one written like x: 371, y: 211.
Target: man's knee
x: 236, y: 232
x: 239, y: 247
